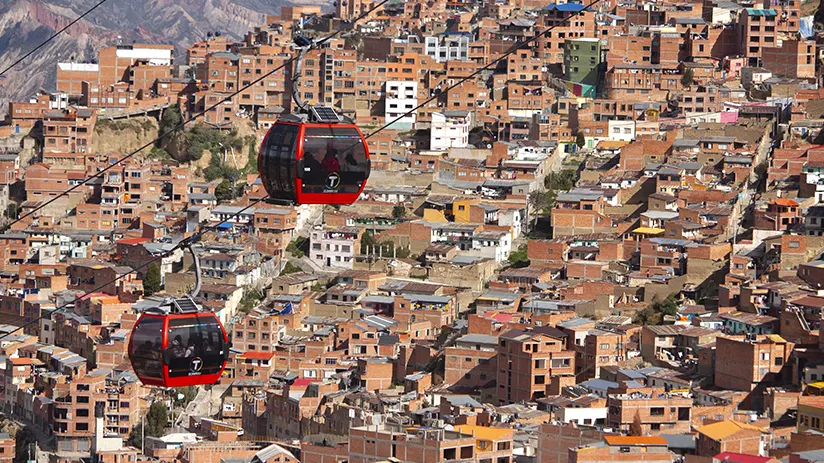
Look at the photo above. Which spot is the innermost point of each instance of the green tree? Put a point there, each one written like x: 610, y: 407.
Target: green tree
x: 152, y: 281
x: 170, y: 120
x: 541, y: 201
x: 518, y: 259
x: 290, y: 268
x: 203, y: 138
x: 687, y: 77
x: 251, y: 162
x: 561, y: 180
x: 189, y: 394
x: 654, y: 313
x: 136, y: 436
x: 580, y: 140
x: 159, y: 153
x: 318, y: 287
x: 398, y: 211
x: 250, y: 299
x: 24, y: 438
x: 367, y: 242
x: 226, y: 191
x: 297, y: 246
x: 156, y: 419
x: 402, y: 253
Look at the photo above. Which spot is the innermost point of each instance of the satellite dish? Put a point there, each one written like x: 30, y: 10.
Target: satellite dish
x: 209, y: 34
x: 217, y: 33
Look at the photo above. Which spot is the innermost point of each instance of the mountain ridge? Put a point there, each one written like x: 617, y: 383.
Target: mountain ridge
x: 24, y: 24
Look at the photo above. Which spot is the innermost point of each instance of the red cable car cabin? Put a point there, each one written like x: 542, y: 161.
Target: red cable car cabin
x: 172, y: 350
x: 314, y: 162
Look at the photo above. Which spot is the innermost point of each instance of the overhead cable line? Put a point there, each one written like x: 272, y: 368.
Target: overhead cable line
x: 183, y: 243
x: 182, y: 124
x: 31, y: 52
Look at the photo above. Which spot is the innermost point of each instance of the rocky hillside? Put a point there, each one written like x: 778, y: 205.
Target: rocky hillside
x: 125, y: 135
x: 24, y: 24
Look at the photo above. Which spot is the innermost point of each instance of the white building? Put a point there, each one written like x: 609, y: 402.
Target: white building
x: 622, y: 130
x: 450, y: 129
x: 401, y: 96
x: 492, y: 244
x: 448, y: 47
x: 335, y: 247
x: 580, y: 415
x: 513, y: 218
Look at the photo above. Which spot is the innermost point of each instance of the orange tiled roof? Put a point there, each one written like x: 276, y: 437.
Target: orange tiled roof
x: 635, y: 440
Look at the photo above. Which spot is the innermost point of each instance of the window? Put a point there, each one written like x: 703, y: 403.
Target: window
x: 656, y: 411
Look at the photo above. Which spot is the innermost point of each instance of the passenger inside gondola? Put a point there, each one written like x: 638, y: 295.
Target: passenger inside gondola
x: 330, y: 162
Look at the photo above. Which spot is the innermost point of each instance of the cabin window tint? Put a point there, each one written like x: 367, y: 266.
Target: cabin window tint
x: 146, y: 347
x: 195, y: 346
x: 334, y: 160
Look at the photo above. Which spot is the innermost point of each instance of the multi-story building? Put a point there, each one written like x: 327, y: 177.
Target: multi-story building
x: 527, y: 361
x: 779, y: 214
x: 794, y: 59
x: 758, y: 30
x: 582, y: 62
x: 410, y: 444
x: 601, y: 348
x: 115, y: 62
x: 68, y: 135
x: 74, y: 404
x: 811, y: 414
x: 401, y: 97
x: 275, y: 228
x: 450, y: 129
x: 7, y: 448
x: 335, y: 247
x: 751, y: 363
x: 645, y: 80
x: 71, y: 75
x: 448, y: 47
x: 472, y: 363
x: 658, y: 413
x: 623, y: 448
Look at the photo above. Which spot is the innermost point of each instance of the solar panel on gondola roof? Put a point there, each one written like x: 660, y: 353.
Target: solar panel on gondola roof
x: 325, y: 114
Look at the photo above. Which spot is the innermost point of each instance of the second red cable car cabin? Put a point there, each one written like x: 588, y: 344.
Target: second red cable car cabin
x: 178, y: 349
x: 323, y: 162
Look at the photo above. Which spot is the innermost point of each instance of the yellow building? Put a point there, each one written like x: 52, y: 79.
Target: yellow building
x: 494, y: 444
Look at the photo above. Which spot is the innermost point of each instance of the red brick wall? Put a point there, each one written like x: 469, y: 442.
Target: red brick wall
x: 555, y: 441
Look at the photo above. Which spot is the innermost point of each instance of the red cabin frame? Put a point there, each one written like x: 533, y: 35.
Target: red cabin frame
x: 168, y: 381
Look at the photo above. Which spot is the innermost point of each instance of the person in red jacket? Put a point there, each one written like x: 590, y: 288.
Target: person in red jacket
x: 330, y: 162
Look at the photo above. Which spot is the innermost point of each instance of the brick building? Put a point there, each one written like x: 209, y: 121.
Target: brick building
x: 731, y: 436
x: 528, y: 360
